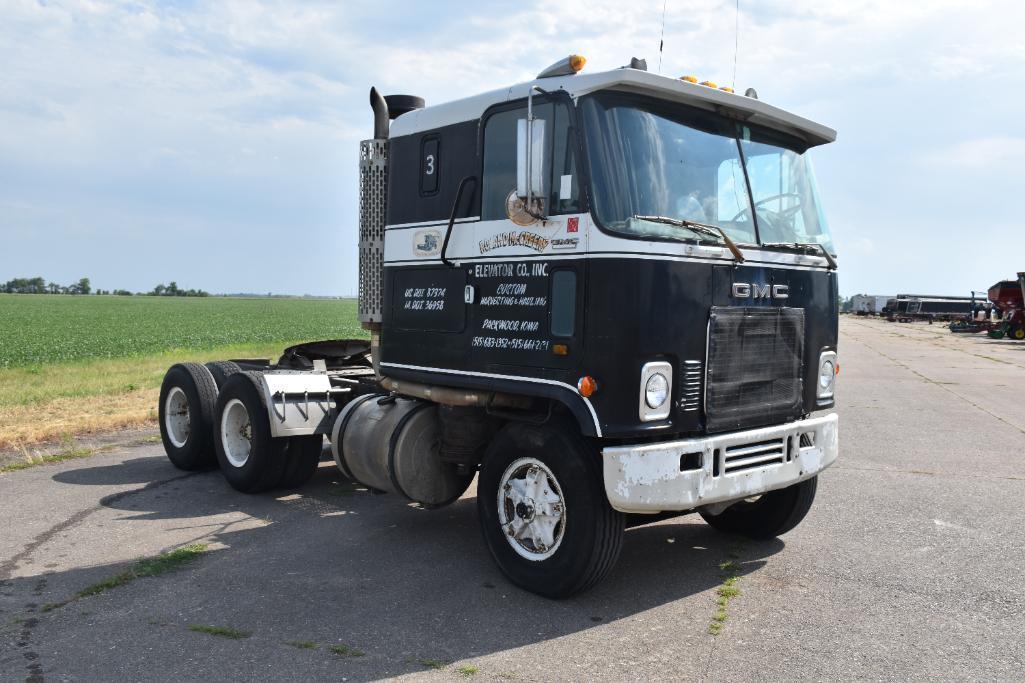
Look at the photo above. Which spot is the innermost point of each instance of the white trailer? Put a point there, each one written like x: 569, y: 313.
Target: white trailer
x: 868, y: 304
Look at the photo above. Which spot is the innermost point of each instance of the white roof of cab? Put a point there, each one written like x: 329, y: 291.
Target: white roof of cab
x: 627, y: 80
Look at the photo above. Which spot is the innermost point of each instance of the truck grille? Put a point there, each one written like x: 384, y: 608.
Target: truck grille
x: 690, y: 392
x: 755, y: 357
x: 748, y: 456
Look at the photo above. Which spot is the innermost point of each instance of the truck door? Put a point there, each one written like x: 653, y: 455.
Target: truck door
x: 528, y: 279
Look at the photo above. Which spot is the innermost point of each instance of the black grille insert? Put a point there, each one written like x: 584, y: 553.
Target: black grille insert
x: 754, y: 366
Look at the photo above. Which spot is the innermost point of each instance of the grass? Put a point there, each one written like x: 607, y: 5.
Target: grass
x: 468, y: 670
x: 726, y: 592
x: 149, y: 566
x: 83, y: 364
x: 346, y: 651
x: 303, y: 644
x: 222, y: 631
x: 433, y: 663
x: 70, y: 450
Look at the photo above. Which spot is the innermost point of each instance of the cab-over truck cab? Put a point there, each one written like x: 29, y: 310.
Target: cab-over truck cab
x: 608, y: 295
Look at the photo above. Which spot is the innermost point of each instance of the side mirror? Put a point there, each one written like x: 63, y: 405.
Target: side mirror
x: 530, y: 162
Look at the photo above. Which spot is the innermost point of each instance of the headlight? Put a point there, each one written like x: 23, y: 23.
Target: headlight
x: 656, y: 387
x: 656, y: 390
x: 827, y: 375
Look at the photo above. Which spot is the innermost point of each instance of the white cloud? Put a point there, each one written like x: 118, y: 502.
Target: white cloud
x: 242, y: 118
x: 994, y: 154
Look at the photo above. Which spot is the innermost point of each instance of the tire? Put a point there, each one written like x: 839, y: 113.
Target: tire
x: 1018, y: 333
x: 251, y: 460
x: 222, y: 370
x: 302, y: 460
x: 772, y: 514
x: 186, y: 411
x: 587, y: 538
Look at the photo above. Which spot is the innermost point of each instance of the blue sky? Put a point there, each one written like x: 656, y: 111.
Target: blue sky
x: 216, y: 143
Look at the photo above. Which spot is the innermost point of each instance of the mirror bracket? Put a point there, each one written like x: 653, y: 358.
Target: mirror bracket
x: 528, y: 173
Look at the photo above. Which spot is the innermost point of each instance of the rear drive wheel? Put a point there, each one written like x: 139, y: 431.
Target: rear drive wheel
x: 768, y: 515
x: 252, y: 461
x: 302, y: 459
x: 222, y: 370
x: 543, y: 510
x: 186, y: 410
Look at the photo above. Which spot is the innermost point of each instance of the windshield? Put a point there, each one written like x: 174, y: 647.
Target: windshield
x: 655, y: 159
x: 785, y: 196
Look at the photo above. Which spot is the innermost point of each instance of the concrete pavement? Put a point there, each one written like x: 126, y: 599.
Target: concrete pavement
x: 910, y: 564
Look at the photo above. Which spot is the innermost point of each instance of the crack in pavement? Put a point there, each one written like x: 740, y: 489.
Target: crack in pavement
x: 941, y: 385
x: 34, y: 666
x: 937, y: 341
x: 8, y: 566
x: 959, y: 475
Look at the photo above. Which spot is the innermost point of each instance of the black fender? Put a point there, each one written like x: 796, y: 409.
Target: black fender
x: 580, y: 408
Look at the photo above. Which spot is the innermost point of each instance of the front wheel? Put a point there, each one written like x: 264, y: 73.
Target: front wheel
x: 544, y: 513
x: 768, y: 515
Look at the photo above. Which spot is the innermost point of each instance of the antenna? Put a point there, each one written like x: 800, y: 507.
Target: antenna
x: 661, y: 37
x: 736, y: 44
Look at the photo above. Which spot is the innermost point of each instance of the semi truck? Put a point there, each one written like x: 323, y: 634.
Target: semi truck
x: 608, y: 297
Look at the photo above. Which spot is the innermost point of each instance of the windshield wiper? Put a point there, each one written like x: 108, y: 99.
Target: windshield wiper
x: 700, y: 228
x: 803, y: 246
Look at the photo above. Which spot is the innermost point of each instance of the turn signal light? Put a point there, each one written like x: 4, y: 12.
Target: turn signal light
x: 587, y: 385
x: 576, y: 62
x: 560, y: 350
x: 837, y: 366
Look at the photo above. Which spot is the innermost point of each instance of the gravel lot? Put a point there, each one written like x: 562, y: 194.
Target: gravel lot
x: 911, y: 564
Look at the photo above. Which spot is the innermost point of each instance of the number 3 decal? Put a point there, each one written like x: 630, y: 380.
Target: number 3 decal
x: 429, y: 165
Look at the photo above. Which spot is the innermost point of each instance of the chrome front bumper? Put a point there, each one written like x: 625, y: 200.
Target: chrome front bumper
x: 686, y: 474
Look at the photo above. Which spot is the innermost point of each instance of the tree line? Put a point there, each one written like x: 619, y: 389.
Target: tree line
x: 38, y: 285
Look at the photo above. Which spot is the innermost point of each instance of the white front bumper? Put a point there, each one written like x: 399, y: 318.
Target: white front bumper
x: 651, y: 478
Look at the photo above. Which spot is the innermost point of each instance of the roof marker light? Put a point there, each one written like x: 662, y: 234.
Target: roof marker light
x: 564, y: 67
x: 689, y: 79
x: 708, y: 84
x: 726, y: 88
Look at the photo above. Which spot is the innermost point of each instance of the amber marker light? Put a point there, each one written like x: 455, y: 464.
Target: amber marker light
x: 708, y: 84
x: 560, y: 350
x: 587, y: 385
x: 689, y: 79
x: 726, y: 88
x: 576, y: 62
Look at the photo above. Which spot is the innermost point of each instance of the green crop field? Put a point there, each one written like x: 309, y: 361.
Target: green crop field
x: 41, y: 329
x: 76, y: 364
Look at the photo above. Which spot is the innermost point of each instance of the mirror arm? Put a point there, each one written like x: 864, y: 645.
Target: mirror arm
x: 528, y: 204
x: 452, y: 218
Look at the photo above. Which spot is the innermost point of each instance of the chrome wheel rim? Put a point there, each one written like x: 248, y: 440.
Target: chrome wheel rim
x: 531, y: 509
x: 176, y: 417
x: 236, y: 433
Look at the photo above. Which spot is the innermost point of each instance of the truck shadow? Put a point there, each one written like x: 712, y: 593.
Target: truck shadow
x: 401, y: 583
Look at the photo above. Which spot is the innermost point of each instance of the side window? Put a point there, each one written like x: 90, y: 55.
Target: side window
x: 565, y: 182
x: 564, y: 302
x: 500, y: 161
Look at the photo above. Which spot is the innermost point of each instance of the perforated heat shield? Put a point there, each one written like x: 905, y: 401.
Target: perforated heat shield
x: 373, y: 187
